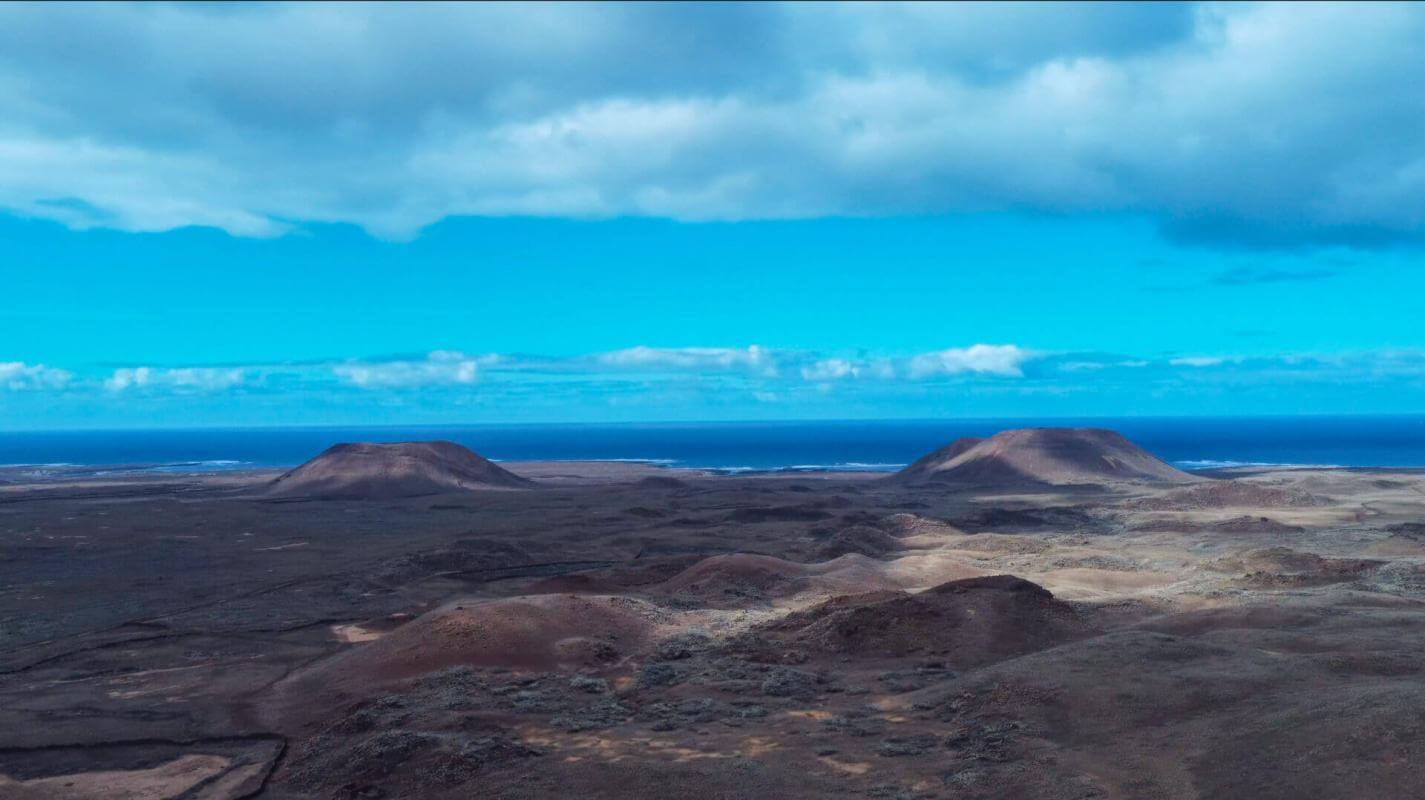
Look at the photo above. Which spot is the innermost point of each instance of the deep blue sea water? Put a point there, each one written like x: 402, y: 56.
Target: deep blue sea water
x: 879, y: 445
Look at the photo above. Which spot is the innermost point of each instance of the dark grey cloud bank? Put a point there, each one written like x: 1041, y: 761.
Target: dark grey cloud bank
x: 1259, y: 125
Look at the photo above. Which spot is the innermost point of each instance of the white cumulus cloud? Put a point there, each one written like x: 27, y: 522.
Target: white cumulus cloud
x: 126, y: 377
x: 1197, y: 361
x: 1003, y: 360
x: 180, y: 379
x: 439, y: 368
x: 17, y: 375
x: 830, y: 369
x: 692, y: 358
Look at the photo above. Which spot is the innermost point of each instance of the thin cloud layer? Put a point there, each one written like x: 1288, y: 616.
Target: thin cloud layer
x: 1196, y: 361
x: 703, y: 358
x: 1235, y: 124
x: 830, y: 369
x: 765, y: 372
x: 442, y: 388
x: 440, y: 368
x: 1004, y: 360
x: 182, y: 380
x: 19, y: 376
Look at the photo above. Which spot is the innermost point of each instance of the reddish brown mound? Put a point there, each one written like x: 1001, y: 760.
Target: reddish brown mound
x: 545, y: 632
x: 969, y: 623
x: 1228, y: 494
x: 1282, y: 566
x: 366, y: 471
x: 1043, y: 455
x: 749, y: 576
x: 862, y: 539
x: 739, y: 573
x: 1242, y: 524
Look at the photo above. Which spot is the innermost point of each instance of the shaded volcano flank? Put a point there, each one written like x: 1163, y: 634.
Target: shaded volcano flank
x: 970, y: 622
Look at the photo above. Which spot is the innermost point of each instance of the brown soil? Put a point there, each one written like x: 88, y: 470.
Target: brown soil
x: 594, y: 636
x: 1231, y: 494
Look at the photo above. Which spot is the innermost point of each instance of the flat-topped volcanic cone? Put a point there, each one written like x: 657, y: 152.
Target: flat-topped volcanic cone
x: 969, y: 623
x: 367, y: 471
x: 1043, y: 455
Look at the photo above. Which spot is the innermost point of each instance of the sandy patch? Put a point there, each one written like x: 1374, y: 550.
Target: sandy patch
x: 355, y: 634
x: 164, y: 781
x: 1102, y: 584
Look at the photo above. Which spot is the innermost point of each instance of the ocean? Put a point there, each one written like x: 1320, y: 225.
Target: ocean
x: 1191, y: 443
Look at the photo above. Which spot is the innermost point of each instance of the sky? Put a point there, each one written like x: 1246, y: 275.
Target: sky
x: 268, y: 214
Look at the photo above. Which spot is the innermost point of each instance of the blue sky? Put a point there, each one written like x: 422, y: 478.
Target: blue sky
x: 345, y: 214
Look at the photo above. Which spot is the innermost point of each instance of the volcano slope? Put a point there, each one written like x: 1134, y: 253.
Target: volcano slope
x: 1043, y: 455
x: 601, y: 635
x: 369, y: 471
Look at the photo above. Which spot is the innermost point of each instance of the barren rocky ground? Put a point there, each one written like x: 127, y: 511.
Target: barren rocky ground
x: 617, y: 631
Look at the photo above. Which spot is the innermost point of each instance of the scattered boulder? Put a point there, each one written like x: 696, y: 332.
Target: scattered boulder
x: 788, y: 682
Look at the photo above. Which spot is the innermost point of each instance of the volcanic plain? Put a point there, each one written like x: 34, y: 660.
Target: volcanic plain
x: 1045, y: 614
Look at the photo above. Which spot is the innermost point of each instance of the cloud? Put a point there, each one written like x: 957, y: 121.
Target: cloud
x: 19, y: 376
x: 830, y: 369
x: 439, y: 368
x: 692, y: 358
x: 1002, y: 360
x: 181, y: 379
x: 651, y: 383
x: 1197, y: 361
x: 1094, y: 365
x: 126, y: 377
x: 1235, y: 124
x: 204, y: 379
